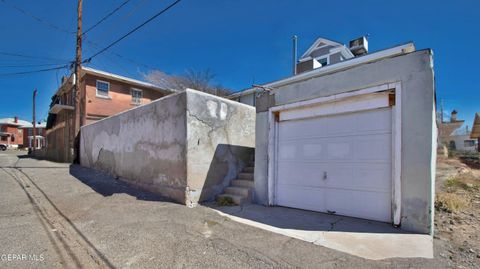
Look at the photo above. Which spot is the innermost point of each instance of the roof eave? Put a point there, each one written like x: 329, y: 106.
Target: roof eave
x: 349, y: 63
x: 134, y: 82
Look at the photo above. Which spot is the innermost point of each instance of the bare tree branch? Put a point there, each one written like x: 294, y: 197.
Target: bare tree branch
x: 199, y: 80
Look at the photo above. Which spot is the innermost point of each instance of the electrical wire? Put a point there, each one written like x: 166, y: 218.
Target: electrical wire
x: 105, y: 17
x: 33, y: 71
x: 132, y: 31
x: 28, y: 65
x: 40, y: 20
x: 30, y: 56
x: 121, y: 56
x: 122, y: 20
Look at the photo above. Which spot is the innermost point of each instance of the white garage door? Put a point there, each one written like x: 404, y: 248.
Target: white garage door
x: 339, y: 164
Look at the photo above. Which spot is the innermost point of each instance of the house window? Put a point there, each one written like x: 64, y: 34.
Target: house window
x: 323, y: 61
x: 4, y: 138
x: 136, y: 96
x: 469, y: 143
x: 103, y: 88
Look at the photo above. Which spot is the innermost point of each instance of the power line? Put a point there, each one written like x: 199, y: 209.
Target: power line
x: 28, y: 65
x: 34, y: 71
x: 122, y: 20
x: 106, y: 17
x: 132, y: 31
x: 122, y: 57
x: 30, y: 56
x: 135, y: 8
x: 44, y: 22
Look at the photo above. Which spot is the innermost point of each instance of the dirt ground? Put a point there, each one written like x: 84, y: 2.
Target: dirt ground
x: 457, y: 204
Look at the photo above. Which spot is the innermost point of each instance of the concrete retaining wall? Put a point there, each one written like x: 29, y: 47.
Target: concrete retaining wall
x: 186, y: 146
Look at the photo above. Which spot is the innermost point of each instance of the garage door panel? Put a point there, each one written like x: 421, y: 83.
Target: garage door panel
x: 301, y: 149
x: 298, y: 197
x: 302, y: 128
x: 354, y: 150
x: 340, y: 148
x: 301, y: 174
x: 376, y: 147
x: 340, y: 125
x: 358, y: 176
x: 313, y: 150
x: 374, y: 177
x: 288, y: 151
x: 378, y: 120
x: 361, y: 204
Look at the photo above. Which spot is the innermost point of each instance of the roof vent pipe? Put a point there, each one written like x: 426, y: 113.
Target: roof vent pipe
x: 294, y: 39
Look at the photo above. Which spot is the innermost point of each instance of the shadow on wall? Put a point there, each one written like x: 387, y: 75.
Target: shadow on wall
x: 227, y: 162
x: 205, y: 182
x: 108, y: 185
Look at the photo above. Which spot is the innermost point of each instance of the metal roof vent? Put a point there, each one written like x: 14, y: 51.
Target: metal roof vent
x: 359, y: 46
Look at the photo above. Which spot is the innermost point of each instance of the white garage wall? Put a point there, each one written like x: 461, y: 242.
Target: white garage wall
x: 415, y: 72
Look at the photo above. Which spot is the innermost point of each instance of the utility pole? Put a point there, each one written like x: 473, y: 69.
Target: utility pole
x: 34, y: 122
x: 441, y: 110
x: 78, y: 94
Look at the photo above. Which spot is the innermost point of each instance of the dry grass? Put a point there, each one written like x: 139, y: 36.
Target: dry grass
x: 456, y: 193
x: 225, y: 201
x: 463, y: 181
x: 451, y: 202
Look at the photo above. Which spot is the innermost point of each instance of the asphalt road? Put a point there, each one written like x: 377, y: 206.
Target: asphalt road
x: 65, y: 216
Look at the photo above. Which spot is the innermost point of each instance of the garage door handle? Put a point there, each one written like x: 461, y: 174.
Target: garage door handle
x: 325, y: 175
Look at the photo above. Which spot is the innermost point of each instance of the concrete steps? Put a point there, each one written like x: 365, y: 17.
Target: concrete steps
x: 249, y: 169
x: 243, y: 191
x: 243, y: 183
x: 237, y: 199
x: 247, y: 176
x: 240, y: 190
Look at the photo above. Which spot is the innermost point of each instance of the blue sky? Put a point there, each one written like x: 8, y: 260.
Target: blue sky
x: 240, y: 41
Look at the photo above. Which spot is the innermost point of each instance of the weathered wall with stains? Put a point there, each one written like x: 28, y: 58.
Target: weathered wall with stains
x: 144, y: 146
x: 220, y: 142
x: 186, y: 146
x: 415, y: 73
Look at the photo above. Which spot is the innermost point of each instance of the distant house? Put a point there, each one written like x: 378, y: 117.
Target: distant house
x: 16, y: 133
x: 475, y: 134
x: 103, y: 94
x: 453, y: 135
x: 460, y: 140
x: 323, y: 52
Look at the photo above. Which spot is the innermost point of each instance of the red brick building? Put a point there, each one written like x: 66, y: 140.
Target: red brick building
x: 16, y: 133
x: 102, y: 94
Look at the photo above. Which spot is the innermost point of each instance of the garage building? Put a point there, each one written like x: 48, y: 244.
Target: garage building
x: 354, y: 138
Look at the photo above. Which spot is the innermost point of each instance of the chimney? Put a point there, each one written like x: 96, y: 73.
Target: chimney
x: 15, y: 119
x: 453, y: 116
